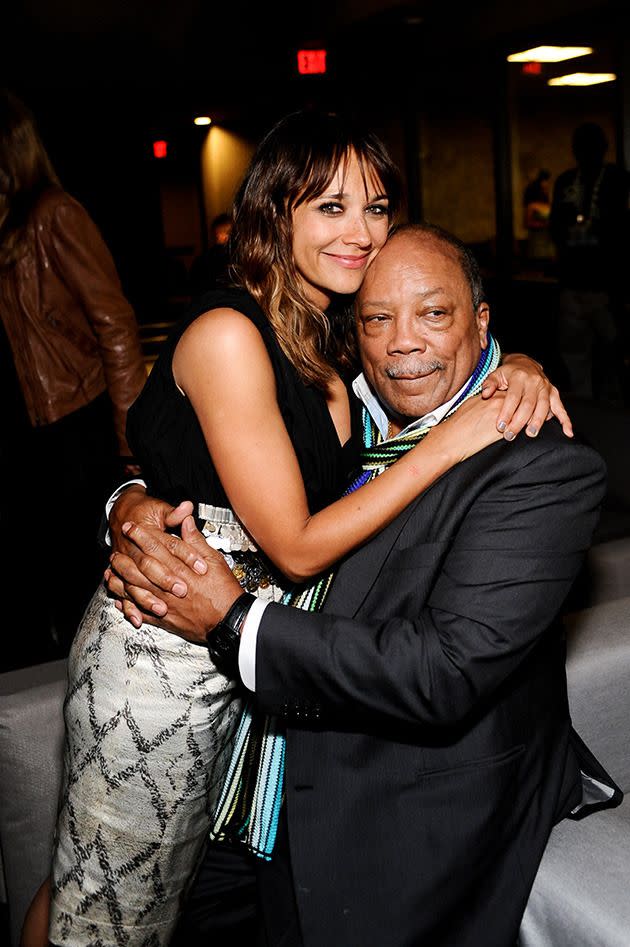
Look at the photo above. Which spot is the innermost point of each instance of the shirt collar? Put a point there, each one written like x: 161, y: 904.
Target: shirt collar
x: 365, y: 394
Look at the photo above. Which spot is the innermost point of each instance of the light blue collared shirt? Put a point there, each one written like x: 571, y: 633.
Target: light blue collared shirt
x: 366, y: 395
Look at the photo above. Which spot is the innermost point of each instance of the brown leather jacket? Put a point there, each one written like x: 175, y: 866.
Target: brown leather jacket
x: 72, y: 332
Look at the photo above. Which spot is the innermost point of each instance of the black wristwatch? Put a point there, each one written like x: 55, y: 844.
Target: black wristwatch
x: 225, y: 638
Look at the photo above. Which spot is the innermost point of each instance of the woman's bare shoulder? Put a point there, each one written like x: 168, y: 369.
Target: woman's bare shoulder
x: 217, y: 341
x: 221, y: 327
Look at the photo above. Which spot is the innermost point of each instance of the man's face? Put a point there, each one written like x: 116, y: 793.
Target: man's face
x: 419, y: 336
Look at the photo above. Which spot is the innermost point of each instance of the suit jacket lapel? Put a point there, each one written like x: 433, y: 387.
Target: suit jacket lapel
x: 360, y: 570
x: 358, y: 573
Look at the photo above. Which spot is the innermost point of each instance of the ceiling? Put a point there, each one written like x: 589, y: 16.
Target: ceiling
x: 233, y: 49
x: 99, y: 73
x: 107, y: 77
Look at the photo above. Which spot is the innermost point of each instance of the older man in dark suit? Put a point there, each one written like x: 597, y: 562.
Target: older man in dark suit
x: 429, y: 748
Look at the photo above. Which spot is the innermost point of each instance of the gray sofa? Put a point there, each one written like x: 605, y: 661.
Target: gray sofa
x: 581, y: 897
x: 31, y: 743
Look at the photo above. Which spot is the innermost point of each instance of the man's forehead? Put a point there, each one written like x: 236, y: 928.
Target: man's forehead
x: 407, y: 250
x: 411, y: 245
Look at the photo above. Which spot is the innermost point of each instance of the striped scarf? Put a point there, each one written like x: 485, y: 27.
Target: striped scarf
x: 249, y: 807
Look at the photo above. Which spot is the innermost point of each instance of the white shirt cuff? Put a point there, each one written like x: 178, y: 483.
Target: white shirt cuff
x: 117, y: 492
x: 247, y: 647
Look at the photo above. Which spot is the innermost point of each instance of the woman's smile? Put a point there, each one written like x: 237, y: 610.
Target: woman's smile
x: 338, y: 233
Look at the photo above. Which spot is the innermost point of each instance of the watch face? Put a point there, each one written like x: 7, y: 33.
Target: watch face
x: 223, y: 647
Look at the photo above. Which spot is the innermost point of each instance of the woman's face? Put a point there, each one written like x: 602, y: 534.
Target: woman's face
x: 338, y: 233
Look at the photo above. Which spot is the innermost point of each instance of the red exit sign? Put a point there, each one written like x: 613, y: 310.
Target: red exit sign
x: 311, y: 62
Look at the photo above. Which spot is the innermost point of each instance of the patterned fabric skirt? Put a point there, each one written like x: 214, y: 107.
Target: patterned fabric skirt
x: 150, y: 724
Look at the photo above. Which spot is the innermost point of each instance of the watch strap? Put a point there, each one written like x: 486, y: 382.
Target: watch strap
x: 236, y: 614
x: 225, y: 638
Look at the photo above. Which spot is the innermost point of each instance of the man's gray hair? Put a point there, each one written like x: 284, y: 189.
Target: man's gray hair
x: 465, y: 257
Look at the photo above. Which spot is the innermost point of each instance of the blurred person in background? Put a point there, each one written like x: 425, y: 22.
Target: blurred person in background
x: 210, y: 269
x: 71, y: 366
x: 537, y: 210
x: 589, y: 226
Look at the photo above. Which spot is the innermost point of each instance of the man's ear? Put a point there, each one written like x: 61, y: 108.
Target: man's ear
x: 482, y: 318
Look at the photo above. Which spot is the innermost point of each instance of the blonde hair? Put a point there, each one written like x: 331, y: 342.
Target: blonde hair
x: 294, y: 163
x: 25, y: 172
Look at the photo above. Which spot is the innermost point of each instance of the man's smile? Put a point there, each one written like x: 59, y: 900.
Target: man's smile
x: 412, y: 371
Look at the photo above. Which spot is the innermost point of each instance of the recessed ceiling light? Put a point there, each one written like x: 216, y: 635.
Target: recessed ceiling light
x: 203, y: 120
x: 583, y: 78
x: 550, y: 53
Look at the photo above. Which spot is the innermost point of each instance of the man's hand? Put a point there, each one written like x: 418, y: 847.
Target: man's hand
x: 135, y: 505
x: 197, y: 600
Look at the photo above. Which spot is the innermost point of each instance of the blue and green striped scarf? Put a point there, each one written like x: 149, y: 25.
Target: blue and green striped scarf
x: 249, y: 806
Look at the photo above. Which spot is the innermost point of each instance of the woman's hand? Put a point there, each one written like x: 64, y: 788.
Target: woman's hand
x: 471, y: 428
x: 530, y: 398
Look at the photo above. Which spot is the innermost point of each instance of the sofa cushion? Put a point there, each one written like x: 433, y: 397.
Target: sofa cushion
x: 598, y: 670
x: 31, y: 751
x: 580, y: 895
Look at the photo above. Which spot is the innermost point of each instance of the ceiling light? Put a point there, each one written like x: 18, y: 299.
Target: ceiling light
x: 583, y: 78
x: 550, y: 53
x: 203, y: 120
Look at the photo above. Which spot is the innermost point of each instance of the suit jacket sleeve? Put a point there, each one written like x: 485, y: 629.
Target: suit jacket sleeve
x: 503, y: 580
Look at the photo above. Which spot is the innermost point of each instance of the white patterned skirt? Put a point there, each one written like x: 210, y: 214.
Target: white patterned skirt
x: 149, y: 730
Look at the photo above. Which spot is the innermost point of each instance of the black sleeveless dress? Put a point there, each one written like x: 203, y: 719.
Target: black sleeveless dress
x: 168, y: 442
x: 149, y: 719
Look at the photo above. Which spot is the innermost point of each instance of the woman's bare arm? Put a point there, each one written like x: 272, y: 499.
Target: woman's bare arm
x: 222, y: 366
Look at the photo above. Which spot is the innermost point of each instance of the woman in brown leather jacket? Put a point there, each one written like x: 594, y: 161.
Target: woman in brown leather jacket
x: 71, y: 365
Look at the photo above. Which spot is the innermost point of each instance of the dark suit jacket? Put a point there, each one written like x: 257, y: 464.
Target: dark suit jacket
x: 429, y: 748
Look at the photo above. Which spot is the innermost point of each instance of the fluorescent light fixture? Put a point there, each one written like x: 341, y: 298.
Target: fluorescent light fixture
x: 203, y: 120
x: 583, y: 78
x: 550, y: 53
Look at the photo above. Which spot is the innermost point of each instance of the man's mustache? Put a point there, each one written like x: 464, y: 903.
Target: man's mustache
x: 413, y: 366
